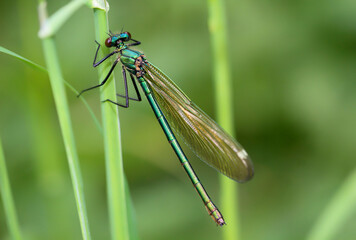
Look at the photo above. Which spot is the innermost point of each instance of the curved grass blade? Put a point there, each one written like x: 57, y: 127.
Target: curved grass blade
x: 62, y: 107
x: 29, y: 62
x: 51, y: 25
x: 201, y: 133
x: 39, y: 67
x: 7, y: 199
x: 59, y: 94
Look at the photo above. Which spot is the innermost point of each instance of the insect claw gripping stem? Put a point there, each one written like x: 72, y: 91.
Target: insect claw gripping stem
x: 118, y: 104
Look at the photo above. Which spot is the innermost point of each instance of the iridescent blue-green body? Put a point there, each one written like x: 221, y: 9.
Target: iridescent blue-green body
x: 171, y: 106
x: 134, y: 61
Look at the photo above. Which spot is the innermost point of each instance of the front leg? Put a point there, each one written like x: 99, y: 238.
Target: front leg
x: 104, y: 81
x: 135, y: 43
x: 95, y: 64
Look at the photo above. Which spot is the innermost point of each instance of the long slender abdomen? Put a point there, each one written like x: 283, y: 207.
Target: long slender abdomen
x: 211, y: 208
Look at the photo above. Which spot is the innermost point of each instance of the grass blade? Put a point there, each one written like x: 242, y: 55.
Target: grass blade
x: 112, y: 141
x: 59, y: 94
x: 67, y: 132
x: 37, y: 66
x: 9, y: 205
x: 224, y: 109
x: 51, y: 25
x: 29, y: 62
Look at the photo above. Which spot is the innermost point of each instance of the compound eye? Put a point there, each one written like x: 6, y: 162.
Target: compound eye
x: 128, y: 35
x: 108, y: 42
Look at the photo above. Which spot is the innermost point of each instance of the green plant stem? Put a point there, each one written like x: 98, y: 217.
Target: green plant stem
x: 224, y: 109
x: 112, y: 141
x: 336, y: 213
x: 9, y: 205
x: 60, y: 99
x: 58, y: 89
x: 11, y: 53
x: 36, y: 66
x: 44, y: 145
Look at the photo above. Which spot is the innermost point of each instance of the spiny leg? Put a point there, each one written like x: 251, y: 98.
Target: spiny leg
x: 136, y: 89
x: 126, y: 92
x: 104, y: 81
x: 126, y: 88
x: 95, y: 64
x: 138, y: 96
x: 118, y: 104
x: 135, y: 43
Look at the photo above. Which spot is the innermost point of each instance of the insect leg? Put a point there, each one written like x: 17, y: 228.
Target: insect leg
x: 95, y: 64
x: 104, y: 81
x: 126, y: 92
x: 135, y: 43
x: 138, y: 96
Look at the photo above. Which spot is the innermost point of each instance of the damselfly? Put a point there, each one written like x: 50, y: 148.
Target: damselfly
x: 170, y: 105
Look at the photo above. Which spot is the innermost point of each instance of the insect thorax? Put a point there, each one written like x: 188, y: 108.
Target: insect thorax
x: 128, y: 58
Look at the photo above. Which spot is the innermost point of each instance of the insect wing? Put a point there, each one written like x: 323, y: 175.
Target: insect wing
x: 201, y: 133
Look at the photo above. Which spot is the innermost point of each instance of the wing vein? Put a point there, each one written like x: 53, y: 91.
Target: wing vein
x: 201, y: 133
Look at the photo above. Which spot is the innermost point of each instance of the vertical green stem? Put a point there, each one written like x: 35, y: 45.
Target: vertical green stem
x: 44, y: 144
x: 223, y: 86
x: 56, y: 79
x: 9, y: 205
x: 113, y: 155
x: 60, y: 99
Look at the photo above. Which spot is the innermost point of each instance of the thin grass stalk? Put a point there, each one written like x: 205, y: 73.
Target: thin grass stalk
x: 67, y: 131
x: 224, y: 110
x: 7, y: 199
x: 112, y: 141
x: 337, y: 212
x: 44, y: 145
x: 61, y: 103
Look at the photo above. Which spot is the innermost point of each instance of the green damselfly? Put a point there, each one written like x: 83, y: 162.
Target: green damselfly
x: 170, y: 105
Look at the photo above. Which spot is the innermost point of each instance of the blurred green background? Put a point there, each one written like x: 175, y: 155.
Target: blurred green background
x: 294, y: 70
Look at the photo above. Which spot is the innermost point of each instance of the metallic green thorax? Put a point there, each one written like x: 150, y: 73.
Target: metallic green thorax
x: 128, y: 59
x: 133, y: 61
